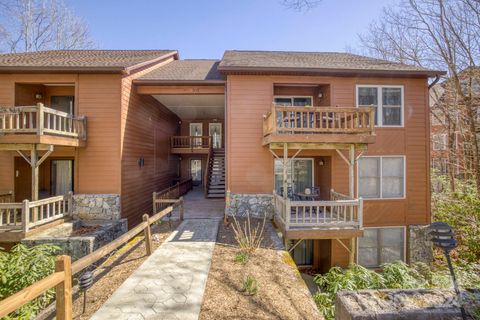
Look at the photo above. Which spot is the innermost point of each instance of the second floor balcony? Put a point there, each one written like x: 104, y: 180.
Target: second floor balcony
x: 191, y: 144
x: 40, y: 124
x: 294, y: 124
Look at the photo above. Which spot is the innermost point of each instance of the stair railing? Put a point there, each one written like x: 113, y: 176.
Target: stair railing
x: 207, y: 169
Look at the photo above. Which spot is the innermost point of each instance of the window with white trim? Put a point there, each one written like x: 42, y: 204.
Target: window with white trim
x: 387, y: 102
x: 439, y: 141
x: 381, y: 177
x: 381, y: 245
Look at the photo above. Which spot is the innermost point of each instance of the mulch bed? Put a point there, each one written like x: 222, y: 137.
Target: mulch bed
x: 282, y: 294
x: 117, y: 268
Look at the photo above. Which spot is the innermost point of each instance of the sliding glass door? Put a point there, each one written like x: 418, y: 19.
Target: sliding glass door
x: 299, y: 174
x: 62, y: 177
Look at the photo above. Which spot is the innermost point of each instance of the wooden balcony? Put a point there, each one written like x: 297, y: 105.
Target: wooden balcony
x: 341, y: 217
x: 190, y: 144
x: 319, y: 125
x: 41, y: 125
x: 21, y: 219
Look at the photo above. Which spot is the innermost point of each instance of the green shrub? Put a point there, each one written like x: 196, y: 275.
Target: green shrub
x: 20, y: 268
x: 250, y: 285
x: 241, y: 257
x: 396, y: 275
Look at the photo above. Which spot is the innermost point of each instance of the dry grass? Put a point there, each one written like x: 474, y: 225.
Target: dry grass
x: 281, y: 292
x: 117, y: 268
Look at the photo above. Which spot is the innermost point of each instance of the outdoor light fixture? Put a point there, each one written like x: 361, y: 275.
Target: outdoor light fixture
x: 141, y: 162
x: 443, y: 237
x: 85, y: 282
x: 38, y: 96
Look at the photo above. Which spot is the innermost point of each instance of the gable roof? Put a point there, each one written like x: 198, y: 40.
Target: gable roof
x: 185, y: 71
x: 82, y: 60
x: 335, y: 63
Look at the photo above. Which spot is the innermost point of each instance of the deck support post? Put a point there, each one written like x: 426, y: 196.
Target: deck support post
x: 351, y: 171
x: 352, y: 250
x: 34, y: 166
x: 285, y: 160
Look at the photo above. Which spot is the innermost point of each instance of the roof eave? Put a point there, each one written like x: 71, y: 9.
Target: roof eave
x: 144, y: 64
x: 327, y: 71
x: 24, y: 69
x: 177, y: 82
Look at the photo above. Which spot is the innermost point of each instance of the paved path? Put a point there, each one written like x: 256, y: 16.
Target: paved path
x: 197, y: 207
x: 171, y: 282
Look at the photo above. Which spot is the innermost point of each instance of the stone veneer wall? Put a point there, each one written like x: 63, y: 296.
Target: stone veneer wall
x: 258, y: 205
x: 96, y: 206
x: 419, y: 245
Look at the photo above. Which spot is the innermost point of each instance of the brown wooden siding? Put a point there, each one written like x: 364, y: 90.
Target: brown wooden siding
x: 146, y: 128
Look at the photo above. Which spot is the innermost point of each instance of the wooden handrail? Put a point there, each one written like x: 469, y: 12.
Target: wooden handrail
x: 61, y: 278
x: 293, y: 119
x: 207, y: 171
x: 171, y: 193
x: 42, y: 120
x: 190, y: 142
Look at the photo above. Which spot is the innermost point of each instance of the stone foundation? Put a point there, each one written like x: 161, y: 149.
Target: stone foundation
x: 425, y: 304
x: 96, y: 206
x: 257, y: 205
x: 419, y: 245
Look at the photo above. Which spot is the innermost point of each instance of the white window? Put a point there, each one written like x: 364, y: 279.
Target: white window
x: 439, y: 141
x: 296, y: 101
x: 381, y: 177
x: 387, y: 102
x: 381, y: 245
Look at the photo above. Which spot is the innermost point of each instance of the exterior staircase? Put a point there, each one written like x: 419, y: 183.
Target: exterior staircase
x: 216, y: 174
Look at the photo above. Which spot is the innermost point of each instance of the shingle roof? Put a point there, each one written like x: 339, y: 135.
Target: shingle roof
x: 185, y: 71
x: 107, y: 60
x: 289, y: 61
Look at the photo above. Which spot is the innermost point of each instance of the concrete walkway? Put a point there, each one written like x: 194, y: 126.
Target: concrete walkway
x: 171, y: 282
x: 198, y: 207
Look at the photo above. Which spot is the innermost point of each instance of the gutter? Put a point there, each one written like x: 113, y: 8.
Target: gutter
x: 437, y: 78
x: 178, y: 82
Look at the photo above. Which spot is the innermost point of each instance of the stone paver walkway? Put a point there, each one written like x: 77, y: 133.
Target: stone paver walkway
x: 171, y: 282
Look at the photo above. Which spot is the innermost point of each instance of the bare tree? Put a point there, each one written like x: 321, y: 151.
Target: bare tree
x: 441, y: 34
x: 300, y: 5
x: 33, y: 25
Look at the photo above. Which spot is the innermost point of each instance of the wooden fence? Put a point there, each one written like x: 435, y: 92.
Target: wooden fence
x: 42, y: 120
x: 171, y: 195
x: 319, y: 120
x: 28, y: 214
x: 61, y: 279
x: 7, y: 197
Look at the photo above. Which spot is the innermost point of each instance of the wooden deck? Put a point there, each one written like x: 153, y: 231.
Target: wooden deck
x: 190, y: 144
x: 41, y: 125
x: 340, y: 217
x: 316, y: 125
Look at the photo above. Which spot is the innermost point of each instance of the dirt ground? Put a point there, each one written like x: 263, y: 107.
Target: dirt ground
x: 116, y: 269
x: 282, y: 294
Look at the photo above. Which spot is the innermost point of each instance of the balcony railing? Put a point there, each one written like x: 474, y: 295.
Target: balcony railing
x: 301, y: 120
x: 340, y: 212
x: 41, y: 120
x: 28, y: 214
x: 191, y: 142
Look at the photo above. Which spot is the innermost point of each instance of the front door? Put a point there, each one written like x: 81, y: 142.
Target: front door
x: 196, y: 130
x: 196, y: 171
x: 23, y: 180
x: 215, y: 131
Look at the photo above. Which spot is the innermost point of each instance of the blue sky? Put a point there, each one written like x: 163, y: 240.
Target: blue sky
x: 204, y: 29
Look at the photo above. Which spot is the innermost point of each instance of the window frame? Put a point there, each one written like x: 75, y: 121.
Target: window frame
x: 381, y: 177
x: 444, y: 144
x: 291, y: 99
x: 290, y: 160
x: 404, y: 251
x: 379, y: 114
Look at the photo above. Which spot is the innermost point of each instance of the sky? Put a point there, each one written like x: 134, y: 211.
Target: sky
x: 205, y: 29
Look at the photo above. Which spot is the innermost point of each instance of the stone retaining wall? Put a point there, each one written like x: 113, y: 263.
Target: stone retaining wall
x: 96, y: 206
x: 419, y: 245
x: 257, y: 205
x: 431, y: 304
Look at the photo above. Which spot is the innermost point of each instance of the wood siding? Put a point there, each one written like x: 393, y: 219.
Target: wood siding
x: 250, y: 166
x: 146, y: 128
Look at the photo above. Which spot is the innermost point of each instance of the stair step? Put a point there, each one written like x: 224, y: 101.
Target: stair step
x: 219, y: 186
x: 216, y: 196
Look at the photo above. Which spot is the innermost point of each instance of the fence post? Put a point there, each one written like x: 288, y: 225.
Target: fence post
x: 25, y: 215
x: 40, y: 118
x: 182, y: 208
x: 288, y: 212
x: 153, y: 203
x: 148, y: 235
x: 64, y: 290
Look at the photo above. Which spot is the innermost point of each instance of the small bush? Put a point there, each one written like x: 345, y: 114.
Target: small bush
x: 250, y: 285
x: 241, y: 257
x: 22, y: 267
x: 247, y: 237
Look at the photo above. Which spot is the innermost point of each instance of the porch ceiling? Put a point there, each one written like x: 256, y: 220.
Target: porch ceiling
x: 193, y: 107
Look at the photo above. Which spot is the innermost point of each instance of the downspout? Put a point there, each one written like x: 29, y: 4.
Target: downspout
x: 437, y: 78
